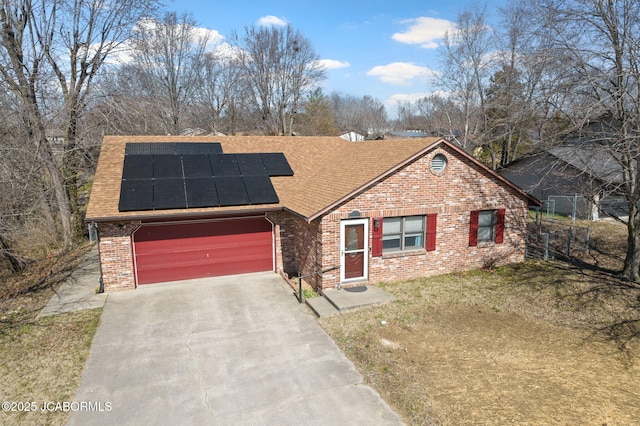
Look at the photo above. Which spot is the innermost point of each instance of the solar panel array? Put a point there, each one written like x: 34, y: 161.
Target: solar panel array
x: 158, y: 176
x: 151, y: 148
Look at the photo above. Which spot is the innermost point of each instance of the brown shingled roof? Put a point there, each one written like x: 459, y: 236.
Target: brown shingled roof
x: 327, y: 170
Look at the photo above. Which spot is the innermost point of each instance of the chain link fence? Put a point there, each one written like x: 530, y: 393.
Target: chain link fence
x: 578, y: 207
x: 614, y: 206
x: 574, y: 206
x: 556, y: 240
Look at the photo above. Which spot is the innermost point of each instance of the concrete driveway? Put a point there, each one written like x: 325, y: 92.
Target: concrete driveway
x: 222, y: 351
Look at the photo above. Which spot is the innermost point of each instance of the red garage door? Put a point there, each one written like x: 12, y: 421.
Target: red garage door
x: 172, y: 252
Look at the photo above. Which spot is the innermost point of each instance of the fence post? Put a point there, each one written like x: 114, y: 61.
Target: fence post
x: 575, y: 207
x: 569, y: 236
x: 587, y: 242
x: 546, y: 246
x: 551, y: 209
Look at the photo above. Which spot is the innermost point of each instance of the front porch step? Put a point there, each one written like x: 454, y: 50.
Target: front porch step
x: 334, y: 301
x: 356, y: 297
x: 321, y: 306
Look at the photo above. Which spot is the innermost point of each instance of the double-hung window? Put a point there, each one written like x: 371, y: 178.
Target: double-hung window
x: 403, y: 233
x: 486, y: 226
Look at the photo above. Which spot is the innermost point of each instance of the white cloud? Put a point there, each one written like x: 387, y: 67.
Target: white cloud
x: 424, y: 31
x: 270, y: 20
x: 121, y: 54
x: 413, y: 97
x: 407, y: 97
x: 400, y: 73
x: 227, y: 52
x: 332, y: 64
x: 392, y: 102
x: 213, y: 37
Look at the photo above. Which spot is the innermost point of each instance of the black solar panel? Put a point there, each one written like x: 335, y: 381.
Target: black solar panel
x: 251, y: 165
x: 167, y: 166
x: 169, y: 194
x: 225, y: 165
x: 198, y: 148
x: 260, y: 190
x: 136, y: 195
x: 151, y: 148
x: 172, y: 175
x: 164, y: 148
x: 142, y: 148
x: 201, y: 192
x: 137, y: 167
x: 231, y: 191
x: 276, y: 164
x: 196, y: 165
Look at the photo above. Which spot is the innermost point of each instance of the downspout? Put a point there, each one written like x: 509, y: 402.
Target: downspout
x: 273, y: 242
x: 133, y: 254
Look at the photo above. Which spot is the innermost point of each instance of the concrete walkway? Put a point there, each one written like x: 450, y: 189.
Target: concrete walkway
x: 237, y: 350
x: 78, y: 292
x: 334, y: 301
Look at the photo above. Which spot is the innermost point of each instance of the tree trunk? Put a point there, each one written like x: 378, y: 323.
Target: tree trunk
x: 631, y: 270
x: 62, y: 200
x: 70, y: 170
x: 16, y: 263
x: 41, y: 145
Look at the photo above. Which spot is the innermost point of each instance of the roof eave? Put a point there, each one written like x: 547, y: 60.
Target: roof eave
x: 181, y: 215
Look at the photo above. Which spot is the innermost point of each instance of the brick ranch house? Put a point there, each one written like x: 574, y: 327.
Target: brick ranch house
x: 170, y: 208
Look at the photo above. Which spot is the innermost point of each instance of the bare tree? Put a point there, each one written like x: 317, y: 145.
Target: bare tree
x: 166, y: 58
x: 597, y: 41
x: 280, y: 66
x: 465, y: 56
x: 518, y: 100
x: 409, y: 117
x: 365, y: 115
x: 64, y: 43
x: 443, y: 116
x: 220, y: 91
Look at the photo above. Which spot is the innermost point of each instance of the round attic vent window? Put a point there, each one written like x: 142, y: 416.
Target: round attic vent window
x: 439, y: 163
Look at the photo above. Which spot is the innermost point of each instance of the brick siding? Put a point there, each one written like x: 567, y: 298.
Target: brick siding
x: 416, y: 190
x: 116, y: 255
x: 299, y: 243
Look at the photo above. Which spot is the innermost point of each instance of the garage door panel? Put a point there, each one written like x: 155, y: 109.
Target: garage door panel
x: 205, y: 257
x: 155, y: 233
x: 164, y: 273
x: 172, y: 252
x: 223, y: 242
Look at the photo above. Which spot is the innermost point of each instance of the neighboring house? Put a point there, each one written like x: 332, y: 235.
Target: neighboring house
x: 170, y: 208
x: 405, y: 134
x: 352, y: 136
x: 586, y: 169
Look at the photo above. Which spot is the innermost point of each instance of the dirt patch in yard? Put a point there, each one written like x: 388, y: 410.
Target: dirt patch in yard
x: 532, y: 343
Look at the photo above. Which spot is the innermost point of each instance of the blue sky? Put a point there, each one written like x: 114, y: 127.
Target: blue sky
x: 383, y: 48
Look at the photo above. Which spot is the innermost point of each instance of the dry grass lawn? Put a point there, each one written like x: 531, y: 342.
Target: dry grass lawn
x: 532, y: 343
x: 41, y: 359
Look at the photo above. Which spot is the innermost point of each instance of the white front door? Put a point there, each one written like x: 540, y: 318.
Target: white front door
x: 354, y: 249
